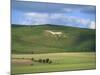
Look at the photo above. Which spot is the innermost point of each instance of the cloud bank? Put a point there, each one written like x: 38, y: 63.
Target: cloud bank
x: 56, y: 18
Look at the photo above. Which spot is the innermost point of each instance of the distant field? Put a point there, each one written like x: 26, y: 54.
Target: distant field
x: 60, y: 62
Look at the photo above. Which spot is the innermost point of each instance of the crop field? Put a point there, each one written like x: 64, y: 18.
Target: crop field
x: 68, y: 61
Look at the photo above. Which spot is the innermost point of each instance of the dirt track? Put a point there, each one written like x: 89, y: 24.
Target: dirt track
x: 22, y: 61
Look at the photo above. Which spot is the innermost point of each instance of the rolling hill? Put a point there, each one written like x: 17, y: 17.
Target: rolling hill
x: 28, y: 39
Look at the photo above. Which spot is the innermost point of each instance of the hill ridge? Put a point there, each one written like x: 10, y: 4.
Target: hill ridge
x: 34, y: 39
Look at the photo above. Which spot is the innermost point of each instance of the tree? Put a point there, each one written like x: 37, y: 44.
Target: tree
x: 32, y: 59
x: 43, y: 60
x: 47, y: 60
x: 50, y: 62
x: 40, y: 60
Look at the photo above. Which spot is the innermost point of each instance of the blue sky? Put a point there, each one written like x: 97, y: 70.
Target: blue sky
x: 35, y: 13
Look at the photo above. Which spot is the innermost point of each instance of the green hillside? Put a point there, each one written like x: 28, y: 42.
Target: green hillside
x: 35, y: 39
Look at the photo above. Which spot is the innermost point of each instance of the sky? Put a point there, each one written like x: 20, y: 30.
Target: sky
x: 38, y: 13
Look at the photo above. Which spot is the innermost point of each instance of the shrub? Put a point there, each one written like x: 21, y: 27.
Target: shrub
x: 32, y: 59
x: 50, y: 62
x: 43, y: 60
x: 40, y: 60
x: 47, y: 60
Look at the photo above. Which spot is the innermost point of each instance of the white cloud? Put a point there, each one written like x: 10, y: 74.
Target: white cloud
x: 92, y: 25
x: 56, y: 15
x: 35, y: 18
x: 84, y: 21
x: 67, y: 10
x: 56, y: 18
x: 37, y: 15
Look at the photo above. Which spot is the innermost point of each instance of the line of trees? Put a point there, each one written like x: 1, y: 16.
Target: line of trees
x: 47, y: 60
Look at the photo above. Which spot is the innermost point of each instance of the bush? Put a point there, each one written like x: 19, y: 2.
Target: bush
x: 40, y: 60
x: 47, y: 60
x: 43, y: 60
x: 50, y: 62
x: 32, y: 59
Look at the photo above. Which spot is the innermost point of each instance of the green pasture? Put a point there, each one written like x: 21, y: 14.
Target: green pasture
x: 60, y: 62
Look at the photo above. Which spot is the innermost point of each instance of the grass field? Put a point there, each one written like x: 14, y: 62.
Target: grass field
x: 60, y: 62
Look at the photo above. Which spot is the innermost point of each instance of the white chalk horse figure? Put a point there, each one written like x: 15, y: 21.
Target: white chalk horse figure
x: 56, y: 34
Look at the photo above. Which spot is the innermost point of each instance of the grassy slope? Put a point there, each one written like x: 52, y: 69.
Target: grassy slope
x: 28, y: 39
